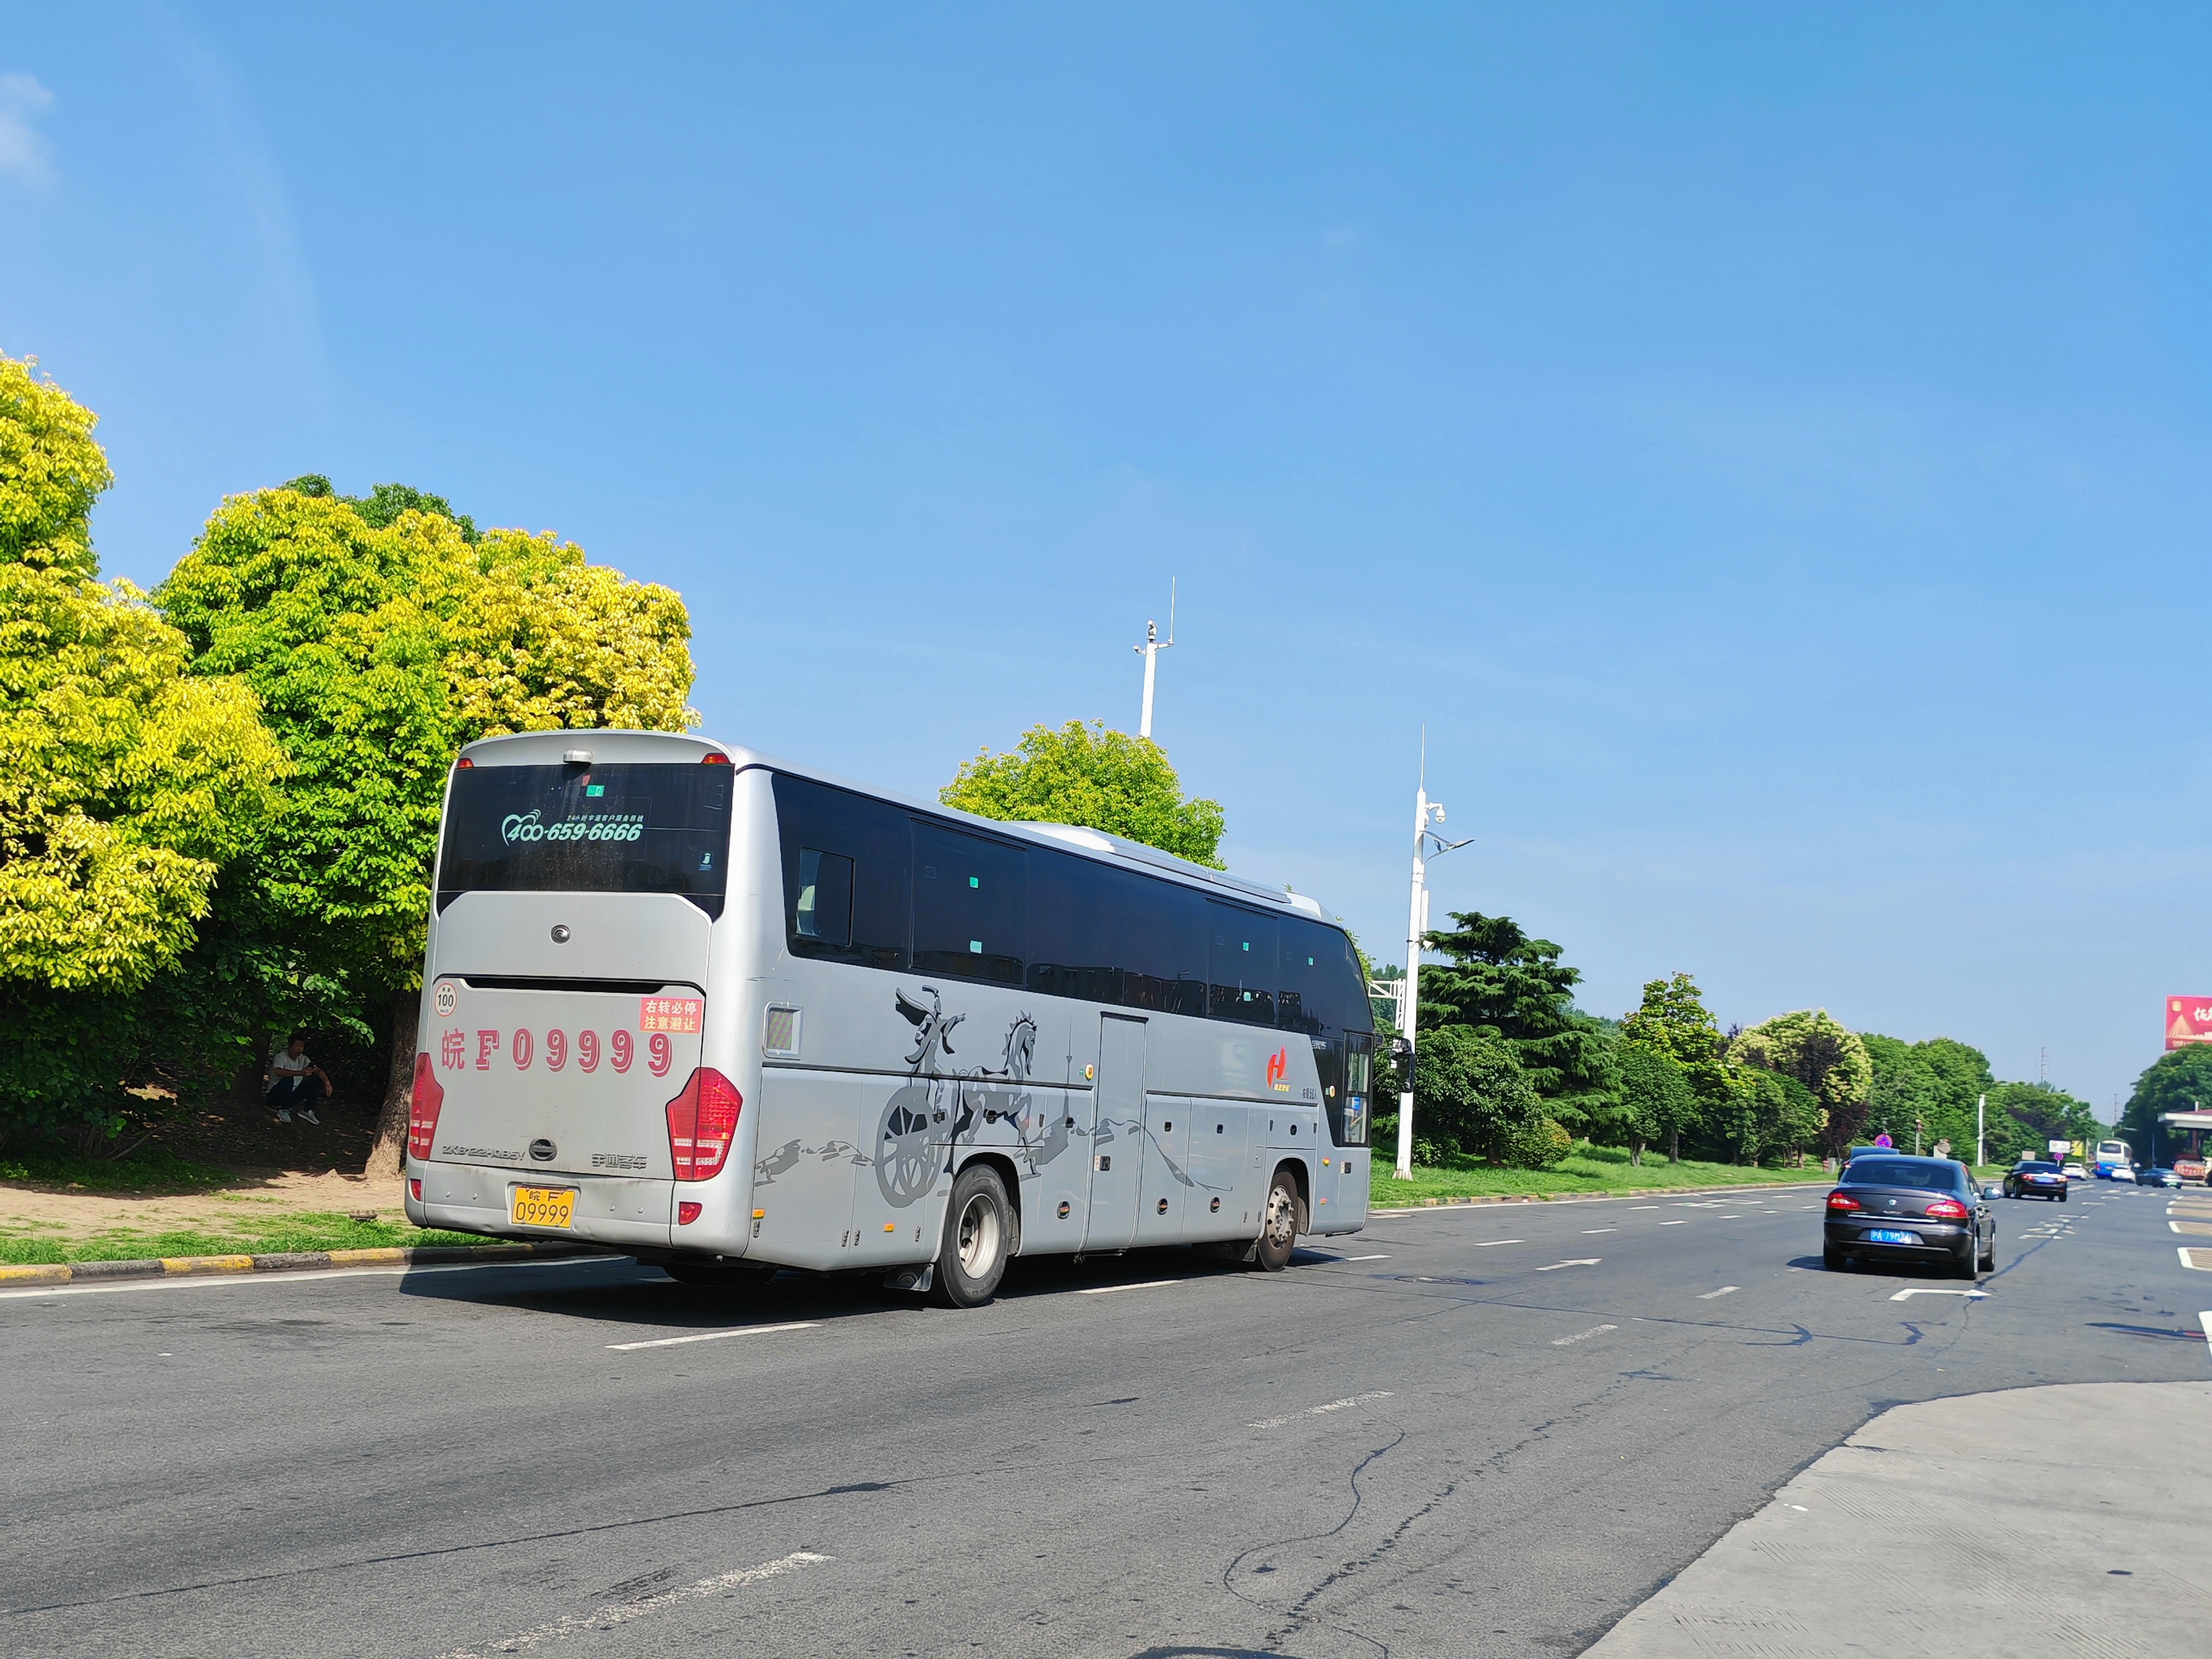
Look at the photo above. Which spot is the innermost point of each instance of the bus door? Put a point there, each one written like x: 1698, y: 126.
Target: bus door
x: 1117, y: 1133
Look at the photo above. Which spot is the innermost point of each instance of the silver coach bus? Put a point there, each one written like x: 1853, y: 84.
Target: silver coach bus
x: 729, y: 1014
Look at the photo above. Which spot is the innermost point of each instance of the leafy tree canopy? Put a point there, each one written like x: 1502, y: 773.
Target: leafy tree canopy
x: 126, y: 787
x: 1089, y: 775
x: 1502, y: 982
x: 2025, y: 1117
x: 1673, y: 1019
x: 2179, y: 1081
x: 1816, y: 1049
x: 1470, y: 1095
x: 381, y: 508
x: 1655, y: 1101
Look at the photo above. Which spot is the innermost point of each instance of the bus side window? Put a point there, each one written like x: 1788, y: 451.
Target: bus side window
x: 970, y: 905
x: 1243, y: 971
x: 825, y: 896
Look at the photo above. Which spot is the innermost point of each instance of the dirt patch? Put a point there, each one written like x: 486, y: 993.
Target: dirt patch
x: 261, y: 1196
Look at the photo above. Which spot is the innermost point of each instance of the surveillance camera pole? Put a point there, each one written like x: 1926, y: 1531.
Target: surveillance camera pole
x: 1426, y: 843
x: 1150, y: 651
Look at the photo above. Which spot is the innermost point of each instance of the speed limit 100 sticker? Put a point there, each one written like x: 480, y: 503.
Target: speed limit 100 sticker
x: 448, y: 997
x: 670, y: 1013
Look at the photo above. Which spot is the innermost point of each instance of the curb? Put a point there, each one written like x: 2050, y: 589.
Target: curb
x: 181, y: 1266
x: 1411, y: 1205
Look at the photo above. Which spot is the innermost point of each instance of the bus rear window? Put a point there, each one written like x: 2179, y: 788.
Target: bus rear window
x: 648, y: 829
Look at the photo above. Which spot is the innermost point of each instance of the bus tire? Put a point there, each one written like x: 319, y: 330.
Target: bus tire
x: 718, y: 1273
x: 1280, y: 1223
x: 978, y: 1233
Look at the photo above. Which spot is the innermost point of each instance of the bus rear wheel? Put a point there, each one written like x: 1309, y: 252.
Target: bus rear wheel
x: 1285, y: 1220
x: 978, y: 1231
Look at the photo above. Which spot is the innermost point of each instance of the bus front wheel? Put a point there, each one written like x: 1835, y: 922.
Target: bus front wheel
x: 1284, y: 1221
x: 978, y: 1229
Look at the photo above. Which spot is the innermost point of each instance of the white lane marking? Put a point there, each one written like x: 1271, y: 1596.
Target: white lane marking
x: 621, y: 1612
x: 1485, y: 1243
x: 1586, y: 1231
x: 1901, y: 1295
x: 1583, y: 1262
x: 2184, y: 1253
x: 1362, y: 1258
x: 1108, y: 1289
x: 1581, y: 1336
x: 1322, y: 1410
x: 216, y: 1281
x: 1725, y: 1290
x: 1633, y: 1208
x: 1683, y: 1222
x: 716, y: 1336
x: 2204, y: 1324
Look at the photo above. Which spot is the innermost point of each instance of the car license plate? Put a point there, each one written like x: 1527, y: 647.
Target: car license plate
x: 1891, y: 1235
x: 544, y: 1207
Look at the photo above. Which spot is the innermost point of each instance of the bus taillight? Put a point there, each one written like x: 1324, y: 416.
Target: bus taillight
x: 702, y: 1122
x: 423, y: 1111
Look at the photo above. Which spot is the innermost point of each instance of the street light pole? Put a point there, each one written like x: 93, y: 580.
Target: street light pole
x: 1425, y: 813
x: 1981, y: 1124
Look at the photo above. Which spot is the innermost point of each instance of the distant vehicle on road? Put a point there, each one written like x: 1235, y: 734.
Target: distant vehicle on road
x: 729, y: 1015
x: 1892, y: 1207
x: 2034, y: 1180
x: 2111, y: 1155
x: 2076, y: 1172
x: 2193, y: 1169
x: 2123, y: 1172
x: 2157, y: 1177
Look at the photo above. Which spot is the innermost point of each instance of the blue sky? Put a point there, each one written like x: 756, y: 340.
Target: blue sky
x: 1767, y: 450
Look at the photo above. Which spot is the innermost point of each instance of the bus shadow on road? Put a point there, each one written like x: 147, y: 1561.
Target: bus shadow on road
x: 624, y: 1295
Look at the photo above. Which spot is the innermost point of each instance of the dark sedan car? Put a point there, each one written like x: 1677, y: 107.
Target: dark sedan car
x: 2158, y: 1178
x: 2032, y: 1180
x: 1909, y: 1209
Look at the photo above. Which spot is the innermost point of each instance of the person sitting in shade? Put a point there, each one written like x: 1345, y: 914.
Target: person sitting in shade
x: 295, y: 1083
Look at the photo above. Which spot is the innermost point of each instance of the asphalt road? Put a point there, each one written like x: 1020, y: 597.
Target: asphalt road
x: 1485, y: 1431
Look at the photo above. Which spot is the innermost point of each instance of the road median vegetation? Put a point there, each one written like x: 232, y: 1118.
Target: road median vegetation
x: 1587, y: 1170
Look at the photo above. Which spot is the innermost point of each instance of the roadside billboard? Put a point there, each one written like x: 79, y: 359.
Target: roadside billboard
x: 2188, y: 1019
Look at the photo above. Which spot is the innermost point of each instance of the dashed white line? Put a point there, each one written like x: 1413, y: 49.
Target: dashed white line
x: 1582, y: 1261
x: 1362, y: 1258
x: 621, y: 1612
x: 1725, y: 1290
x: 716, y: 1336
x: 1485, y: 1243
x: 1581, y: 1336
x: 1901, y: 1295
x: 1108, y: 1289
x: 1586, y: 1231
x: 1633, y: 1208
x: 1321, y: 1410
x: 1683, y: 1222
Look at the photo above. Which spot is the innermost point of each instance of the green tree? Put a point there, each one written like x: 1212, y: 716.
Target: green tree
x: 127, y: 791
x: 378, y: 651
x: 1822, y: 1055
x: 1507, y: 985
x: 2179, y: 1081
x: 1776, y: 1116
x: 2025, y: 1117
x: 1673, y: 1019
x: 384, y: 503
x: 1470, y: 1095
x: 1655, y: 1101
x: 1095, y: 777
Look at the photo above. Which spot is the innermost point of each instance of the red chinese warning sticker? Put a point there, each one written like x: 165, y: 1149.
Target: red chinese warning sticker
x: 670, y: 1013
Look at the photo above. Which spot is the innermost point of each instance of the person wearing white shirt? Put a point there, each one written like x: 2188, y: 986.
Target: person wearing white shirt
x: 294, y: 1082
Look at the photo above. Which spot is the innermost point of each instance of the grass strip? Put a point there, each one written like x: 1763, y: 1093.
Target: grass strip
x: 1587, y: 1170
x: 151, y: 1172
x: 303, y: 1230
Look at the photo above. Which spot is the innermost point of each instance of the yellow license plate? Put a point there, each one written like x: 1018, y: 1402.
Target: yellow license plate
x: 544, y: 1207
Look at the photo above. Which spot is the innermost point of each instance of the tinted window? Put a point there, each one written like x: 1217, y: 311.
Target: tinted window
x: 970, y: 905
x: 2040, y: 1169
x: 652, y: 829
x: 1898, y: 1172
x: 1319, y: 988
x: 1240, y: 970
x: 1076, y: 911
x: 843, y: 854
x: 1160, y: 936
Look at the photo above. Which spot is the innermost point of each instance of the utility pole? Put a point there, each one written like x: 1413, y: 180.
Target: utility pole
x: 1981, y: 1127
x: 1425, y: 813
x: 1150, y: 651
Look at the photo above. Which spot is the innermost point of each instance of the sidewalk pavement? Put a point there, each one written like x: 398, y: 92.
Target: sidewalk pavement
x: 2072, y: 1519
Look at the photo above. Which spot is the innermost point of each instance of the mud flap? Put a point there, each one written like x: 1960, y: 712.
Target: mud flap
x: 911, y: 1279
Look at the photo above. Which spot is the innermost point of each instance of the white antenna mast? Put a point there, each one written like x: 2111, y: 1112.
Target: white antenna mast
x: 1150, y: 651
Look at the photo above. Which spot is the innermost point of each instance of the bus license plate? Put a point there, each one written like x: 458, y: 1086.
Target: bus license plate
x: 1878, y: 1235
x: 544, y: 1207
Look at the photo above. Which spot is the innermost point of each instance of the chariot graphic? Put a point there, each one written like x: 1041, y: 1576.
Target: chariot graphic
x: 936, y: 1111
